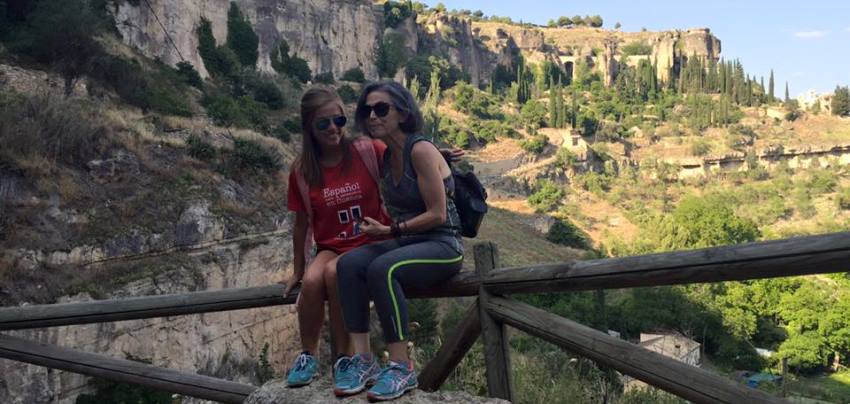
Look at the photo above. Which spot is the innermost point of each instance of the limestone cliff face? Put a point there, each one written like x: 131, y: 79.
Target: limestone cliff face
x: 454, y: 37
x: 331, y: 35
x: 224, y: 344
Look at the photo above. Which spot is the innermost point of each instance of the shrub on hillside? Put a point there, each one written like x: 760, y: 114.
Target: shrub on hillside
x: 843, y: 199
x: 700, y: 147
x: 636, y: 48
x: 263, y: 89
x: 347, y: 94
x: 189, y: 74
x: 535, y: 145
x: 290, y: 65
x: 49, y: 128
x: 241, y: 112
x: 200, y: 149
x: 565, y: 158
x: 354, y: 74
x: 395, y: 12
x: 546, y: 196
x: 251, y: 156
x: 324, y: 78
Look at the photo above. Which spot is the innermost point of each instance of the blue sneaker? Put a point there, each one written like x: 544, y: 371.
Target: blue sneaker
x: 351, y: 376
x: 394, y: 380
x: 303, y: 370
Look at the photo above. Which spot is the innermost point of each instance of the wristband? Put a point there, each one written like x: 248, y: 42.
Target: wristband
x: 394, y: 229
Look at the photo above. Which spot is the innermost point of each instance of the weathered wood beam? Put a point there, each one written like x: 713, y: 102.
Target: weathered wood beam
x: 686, y: 381
x: 194, y: 385
x: 768, y: 259
x: 50, y: 315
x: 452, y: 351
x: 497, y: 358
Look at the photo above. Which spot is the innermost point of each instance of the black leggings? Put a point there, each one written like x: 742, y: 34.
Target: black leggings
x: 379, y: 271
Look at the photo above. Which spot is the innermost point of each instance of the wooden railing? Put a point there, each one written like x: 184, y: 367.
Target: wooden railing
x: 487, y: 317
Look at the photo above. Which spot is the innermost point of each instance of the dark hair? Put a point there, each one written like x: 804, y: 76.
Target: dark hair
x: 403, y: 101
x: 308, y: 163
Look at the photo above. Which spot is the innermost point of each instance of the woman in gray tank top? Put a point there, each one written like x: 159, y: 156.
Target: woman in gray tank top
x: 424, y: 248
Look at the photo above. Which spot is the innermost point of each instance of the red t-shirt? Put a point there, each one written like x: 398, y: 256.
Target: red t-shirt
x: 345, y: 195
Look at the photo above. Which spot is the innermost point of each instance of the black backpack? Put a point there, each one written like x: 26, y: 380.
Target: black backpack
x: 470, y: 199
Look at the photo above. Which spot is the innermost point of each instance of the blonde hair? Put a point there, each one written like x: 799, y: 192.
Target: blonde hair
x: 308, y: 163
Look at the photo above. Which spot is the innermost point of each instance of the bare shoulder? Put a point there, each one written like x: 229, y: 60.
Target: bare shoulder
x: 425, y: 150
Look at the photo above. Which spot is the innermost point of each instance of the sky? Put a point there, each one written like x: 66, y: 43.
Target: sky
x: 806, y: 43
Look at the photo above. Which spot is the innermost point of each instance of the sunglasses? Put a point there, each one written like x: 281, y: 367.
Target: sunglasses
x: 381, y: 109
x: 324, y: 123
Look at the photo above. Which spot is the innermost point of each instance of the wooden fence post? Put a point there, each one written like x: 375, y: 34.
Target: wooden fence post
x: 496, y: 353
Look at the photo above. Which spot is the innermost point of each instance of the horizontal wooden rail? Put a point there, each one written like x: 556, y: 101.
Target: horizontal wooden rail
x: 689, y: 382
x: 54, y: 357
x: 789, y: 257
x: 768, y: 259
x: 50, y: 315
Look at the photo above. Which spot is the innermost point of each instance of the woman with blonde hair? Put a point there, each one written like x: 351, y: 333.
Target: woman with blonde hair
x: 331, y: 186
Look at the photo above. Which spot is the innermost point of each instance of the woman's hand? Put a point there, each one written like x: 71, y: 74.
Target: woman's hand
x: 452, y: 155
x: 290, y: 282
x: 373, y: 228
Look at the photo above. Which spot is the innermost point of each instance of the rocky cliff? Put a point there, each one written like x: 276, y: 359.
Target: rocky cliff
x: 224, y: 344
x: 336, y: 35
x: 331, y: 35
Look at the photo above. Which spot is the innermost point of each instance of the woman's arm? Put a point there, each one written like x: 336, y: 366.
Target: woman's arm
x: 299, y: 235
x: 431, y: 168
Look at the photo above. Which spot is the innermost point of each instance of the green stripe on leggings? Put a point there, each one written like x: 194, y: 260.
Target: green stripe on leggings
x: 390, y: 282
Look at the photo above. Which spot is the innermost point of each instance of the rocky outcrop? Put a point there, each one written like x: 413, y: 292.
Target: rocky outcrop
x: 224, y: 344
x: 321, y: 392
x: 331, y: 35
x: 454, y: 37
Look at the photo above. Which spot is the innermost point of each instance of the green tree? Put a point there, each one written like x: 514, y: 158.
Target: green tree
x: 241, y: 37
x: 699, y: 222
x: 596, y: 21
x: 220, y: 61
x: 770, y: 94
x: 391, y: 54
x: 354, y: 74
x: 787, y: 97
x: 523, y: 81
x: 60, y: 33
x: 287, y: 64
x: 841, y: 101
x: 546, y: 196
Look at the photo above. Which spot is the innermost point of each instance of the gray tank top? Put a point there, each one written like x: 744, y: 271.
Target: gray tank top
x: 404, y: 201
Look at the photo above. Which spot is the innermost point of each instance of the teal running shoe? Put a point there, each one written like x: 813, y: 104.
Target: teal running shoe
x: 351, y: 376
x: 303, y: 370
x: 393, y: 381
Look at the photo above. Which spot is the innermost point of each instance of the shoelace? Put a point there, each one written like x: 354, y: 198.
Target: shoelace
x: 302, y: 362
x: 394, y: 375
x: 343, y: 367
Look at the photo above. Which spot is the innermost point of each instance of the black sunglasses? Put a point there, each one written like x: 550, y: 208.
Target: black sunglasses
x: 324, y: 123
x: 381, y: 109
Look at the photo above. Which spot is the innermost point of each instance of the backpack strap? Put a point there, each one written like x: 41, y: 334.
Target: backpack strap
x: 304, y: 190
x: 367, y: 152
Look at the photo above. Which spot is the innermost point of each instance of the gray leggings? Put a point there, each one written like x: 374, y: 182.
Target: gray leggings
x: 381, y: 270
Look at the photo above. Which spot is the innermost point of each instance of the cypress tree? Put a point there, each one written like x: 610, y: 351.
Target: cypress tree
x: 787, y: 98
x: 770, y: 96
x: 241, y: 38
x: 841, y: 101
